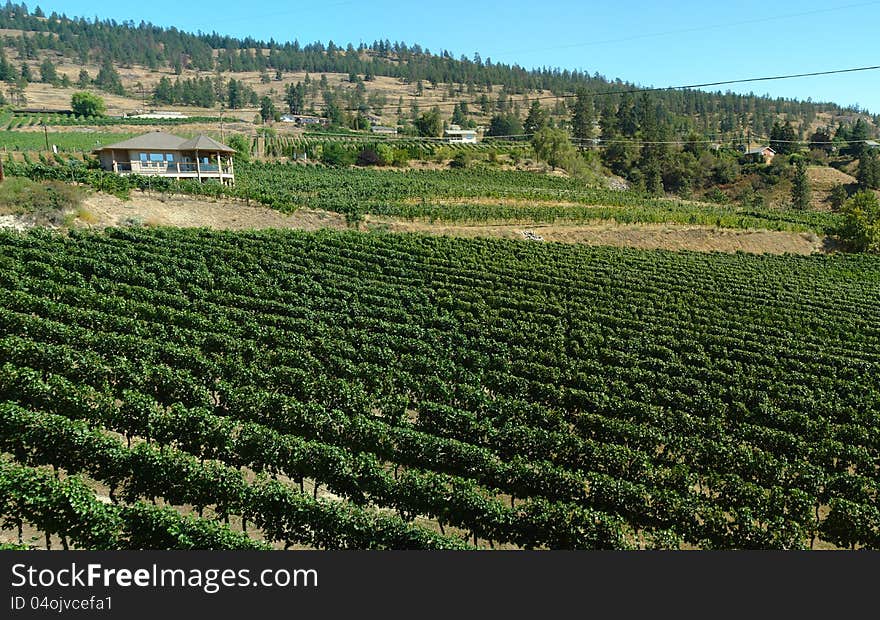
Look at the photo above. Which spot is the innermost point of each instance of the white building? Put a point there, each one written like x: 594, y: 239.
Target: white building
x: 380, y: 129
x: 456, y: 135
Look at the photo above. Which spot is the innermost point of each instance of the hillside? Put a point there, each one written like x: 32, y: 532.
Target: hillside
x: 393, y: 80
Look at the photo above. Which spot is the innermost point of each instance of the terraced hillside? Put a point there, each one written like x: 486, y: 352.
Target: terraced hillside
x: 350, y: 390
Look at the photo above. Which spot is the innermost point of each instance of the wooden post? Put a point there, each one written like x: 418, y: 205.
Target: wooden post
x: 1, y: 169
x: 198, y: 167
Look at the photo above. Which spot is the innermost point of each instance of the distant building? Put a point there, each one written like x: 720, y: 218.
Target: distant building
x: 303, y: 120
x: 157, y: 114
x: 163, y: 154
x: 872, y: 144
x: 380, y: 129
x: 760, y: 154
x: 456, y: 135
x: 374, y: 120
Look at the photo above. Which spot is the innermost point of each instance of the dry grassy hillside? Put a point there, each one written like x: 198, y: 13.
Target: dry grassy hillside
x: 140, y: 82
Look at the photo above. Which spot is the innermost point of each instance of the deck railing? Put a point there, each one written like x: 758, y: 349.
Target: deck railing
x: 171, y: 168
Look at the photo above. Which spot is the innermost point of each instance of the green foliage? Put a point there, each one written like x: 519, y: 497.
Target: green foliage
x: 267, y: 109
x: 537, y: 118
x: 242, y: 146
x: 838, y: 196
x: 431, y: 194
x: 800, y: 187
x: 430, y: 123
x: 861, y: 224
x: 554, y: 147
x: 507, y: 124
x: 594, y: 397
x: 44, y: 201
x: 334, y: 154
x: 783, y: 138
x: 462, y: 159
x: 87, y: 104
x: 868, y: 173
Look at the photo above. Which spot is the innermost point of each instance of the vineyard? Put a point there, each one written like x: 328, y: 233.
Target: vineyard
x: 69, y: 142
x: 481, y: 195
x: 307, y: 146
x: 31, y: 119
x: 186, y: 389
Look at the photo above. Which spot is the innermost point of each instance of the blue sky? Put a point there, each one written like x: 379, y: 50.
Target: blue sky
x: 649, y: 43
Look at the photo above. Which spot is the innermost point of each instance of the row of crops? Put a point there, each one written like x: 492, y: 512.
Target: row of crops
x: 71, y: 142
x: 296, y: 147
x: 352, y: 390
x: 469, y: 195
x: 34, y: 119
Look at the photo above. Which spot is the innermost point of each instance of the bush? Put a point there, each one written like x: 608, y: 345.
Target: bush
x: 242, y: 146
x: 369, y: 157
x: 716, y: 195
x: 386, y: 154
x: 462, y: 159
x: 87, y: 104
x: 334, y: 154
x: 861, y: 226
x: 43, y: 201
x: 400, y: 157
x: 838, y: 196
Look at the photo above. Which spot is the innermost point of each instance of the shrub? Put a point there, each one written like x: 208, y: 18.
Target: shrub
x: 462, y: 159
x: 838, y: 196
x: 401, y: 157
x: 242, y: 147
x: 334, y: 154
x: 369, y: 157
x: 43, y: 201
x: 87, y: 104
x: 861, y: 226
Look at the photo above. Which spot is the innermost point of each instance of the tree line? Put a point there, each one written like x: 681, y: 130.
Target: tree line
x: 142, y: 43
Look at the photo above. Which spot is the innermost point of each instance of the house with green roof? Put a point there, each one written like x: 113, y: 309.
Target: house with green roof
x: 162, y: 154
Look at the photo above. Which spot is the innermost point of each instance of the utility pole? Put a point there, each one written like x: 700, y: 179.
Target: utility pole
x: 221, y: 122
x: 46, y: 135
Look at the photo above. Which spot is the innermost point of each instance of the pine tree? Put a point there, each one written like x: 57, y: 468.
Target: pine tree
x: 48, y: 73
x: 868, y: 174
x: 582, y: 117
x: 537, y: 118
x: 800, y: 188
x: 267, y: 109
x: 458, y: 116
x: 783, y: 138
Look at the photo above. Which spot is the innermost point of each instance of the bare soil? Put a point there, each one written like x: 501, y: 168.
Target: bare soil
x: 102, y: 210
x: 644, y: 236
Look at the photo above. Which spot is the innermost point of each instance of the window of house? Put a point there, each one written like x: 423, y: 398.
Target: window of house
x: 169, y: 157
x: 156, y: 157
x: 142, y: 157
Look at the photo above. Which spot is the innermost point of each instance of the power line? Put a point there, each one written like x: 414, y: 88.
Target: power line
x: 660, y: 88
